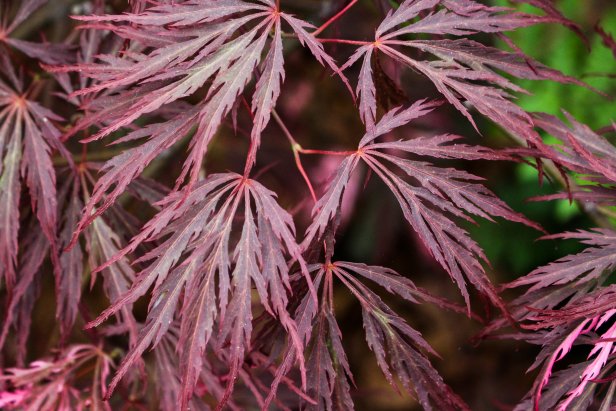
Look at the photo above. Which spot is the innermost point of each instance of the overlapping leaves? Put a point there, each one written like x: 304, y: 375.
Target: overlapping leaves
x: 205, y: 267
x: 208, y: 48
x: 57, y: 383
x: 27, y: 139
x: 183, y: 68
x: 570, y: 297
x: 102, y: 242
x: 433, y: 199
x: 463, y: 70
x: 400, y: 350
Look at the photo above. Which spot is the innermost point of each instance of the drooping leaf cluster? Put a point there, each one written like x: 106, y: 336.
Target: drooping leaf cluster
x: 570, y: 301
x: 236, y: 288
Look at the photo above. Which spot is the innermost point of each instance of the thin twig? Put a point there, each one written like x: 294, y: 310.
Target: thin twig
x: 334, y: 18
x: 295, y: 147
x: 327, y: 152
x: 343, y: 41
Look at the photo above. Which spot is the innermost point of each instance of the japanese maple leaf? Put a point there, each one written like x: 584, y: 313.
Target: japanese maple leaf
x: 209, y: 48
x: 168, y: 375
x: 589, y: 265
x: 463, y: 70
x: 201, y: 259
x: 431, y: 201
x: 570, y: 297
x: 27, y: 139
x: 20, y: 302
x: 69, y: 283
x: 53, y: 383
x: 584, y: 152
x: 102, y: 243
x: 593, y: 157
x: 400, y: 350
x: 592, y: 371
x: 558, y: 293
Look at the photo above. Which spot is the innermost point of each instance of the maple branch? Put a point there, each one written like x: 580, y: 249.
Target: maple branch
x: 334, y: 18
x: 298, y: 163
x: 327, y: 152
x: 343, y: 41
x: 252, y: 150
x: 295, y: 147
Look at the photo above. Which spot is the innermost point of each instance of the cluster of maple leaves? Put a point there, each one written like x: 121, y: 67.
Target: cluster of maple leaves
x: 237, y: 295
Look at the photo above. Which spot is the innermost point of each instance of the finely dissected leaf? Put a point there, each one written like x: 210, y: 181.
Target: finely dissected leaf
x: 462, y: 70
x: 68, y: 284
x: 587, y: 266
x: 406, y: 11
x: 569, y: 278
x: 52, y: 383
x: 569, y: 298
x: 396, y: 284
x: 398, y: 348
x: 204, y: 44
x: 562, y: 294
x: 198, y: 262
x: 594, y: 303
x: 432, y: 201
x: 168, y: 376
x: 367, y: 92
x: 561, y: 382
x: 327, y: 206
x: 28, y: 137
x: 397, y: 118
x: 387, y: 278
x: 304, y: 314
x: 40, y: 178
x: 268, y: 87
x: 10, y: 190
x: 231, y: 298
x: 122, y: 169
x: 21, y: 301
x: 103, y: 244
x: 328, y: 368
x: 386, y: 336
x: 308, y: 40
x: 583, y: 150
x: 602, y: 350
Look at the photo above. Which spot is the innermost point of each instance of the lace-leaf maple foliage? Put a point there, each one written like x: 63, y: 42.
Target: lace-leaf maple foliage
x: 238, y: 286
x: 572, y: 298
